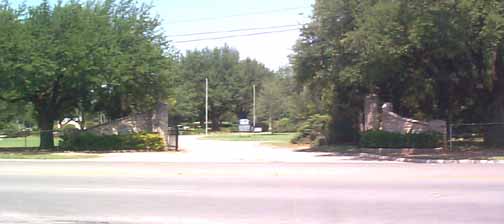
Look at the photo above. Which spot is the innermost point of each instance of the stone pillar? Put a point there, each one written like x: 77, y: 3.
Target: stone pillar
x: 160, y: 122
x: 145, y: 121
x: 371, y: 113
x: 387, y: 108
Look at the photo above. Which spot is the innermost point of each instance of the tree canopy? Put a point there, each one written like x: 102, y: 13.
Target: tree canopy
x: 432, y: 59
x: 96, y: 55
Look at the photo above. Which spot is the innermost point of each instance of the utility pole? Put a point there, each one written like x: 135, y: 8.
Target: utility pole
x: 206, y: 106
x: 254, y: 107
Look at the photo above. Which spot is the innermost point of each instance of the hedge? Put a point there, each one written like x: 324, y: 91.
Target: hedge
x: 383, y: 139
x: 90, y: 141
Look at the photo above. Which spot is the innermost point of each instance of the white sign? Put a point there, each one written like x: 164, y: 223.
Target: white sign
x: 244, y: 121
x: 244, y: 128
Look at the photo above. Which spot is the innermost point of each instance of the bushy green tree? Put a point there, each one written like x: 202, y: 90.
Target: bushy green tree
x: 432, y: 59
x: 95, y: 55
x: 324, y: 64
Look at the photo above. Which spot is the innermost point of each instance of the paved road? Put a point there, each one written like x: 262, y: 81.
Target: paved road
x: 197, y: 150
x: 249, y: 193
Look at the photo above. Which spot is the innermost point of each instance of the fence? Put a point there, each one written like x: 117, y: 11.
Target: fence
x: 473, y: 135
x: 173, y: 138
x: 11, y: 139
x: 24, y: 138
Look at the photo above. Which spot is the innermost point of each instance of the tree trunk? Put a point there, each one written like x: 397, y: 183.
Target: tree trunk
x: 270, y: 124
x: 215, y: 123
x: 82, y: 120
x: 342, y: 127
x: 494, y: 133
x: 46, y: 123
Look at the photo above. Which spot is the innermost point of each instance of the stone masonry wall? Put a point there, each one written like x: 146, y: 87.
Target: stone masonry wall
x: 392, y: 122
x: 156, y: 121
x: 159, y: 123
x: 131, y: 124
x: 387, y: 120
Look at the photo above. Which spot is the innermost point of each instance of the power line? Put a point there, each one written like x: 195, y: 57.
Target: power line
x: 232, y: 31
x: 237, y: 15
x: 233, y: 36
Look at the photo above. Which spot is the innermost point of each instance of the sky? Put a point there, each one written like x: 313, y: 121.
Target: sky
x: 270, y: 46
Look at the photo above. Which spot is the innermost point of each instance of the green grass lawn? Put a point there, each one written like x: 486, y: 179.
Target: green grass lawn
x: 47, y: 156
x: 275, y: 139
x: 22, y: 142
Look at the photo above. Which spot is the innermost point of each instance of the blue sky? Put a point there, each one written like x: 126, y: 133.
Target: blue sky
x: 197, y: 16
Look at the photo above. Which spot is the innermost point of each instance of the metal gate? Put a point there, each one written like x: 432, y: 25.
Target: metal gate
x: 173, y: 135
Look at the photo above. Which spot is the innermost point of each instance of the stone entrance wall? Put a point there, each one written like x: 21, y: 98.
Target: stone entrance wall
x: 156, y: 121
x: 387, y: 120
x: 371, y: 113
x: 392, y: 122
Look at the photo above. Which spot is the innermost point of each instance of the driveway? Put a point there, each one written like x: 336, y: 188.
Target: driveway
x: 195, y: 149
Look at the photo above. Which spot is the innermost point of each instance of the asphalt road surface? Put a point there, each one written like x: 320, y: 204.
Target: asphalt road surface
x: 249, y: 193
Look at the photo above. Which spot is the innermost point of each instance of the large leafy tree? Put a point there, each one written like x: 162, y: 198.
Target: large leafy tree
x: 324, y: 64
x: 444, y: 57
x: 93, y: 56
x: 432, y: 59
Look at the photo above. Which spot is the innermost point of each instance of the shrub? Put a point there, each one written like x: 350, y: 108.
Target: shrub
x: 225, y: 129
x: 152, y: 141
x: 264, y: 126
x: 69, y: 129
x: 285, y: 125
x: 314, y: 130
x: 383, y: 139
x: 90, y: 141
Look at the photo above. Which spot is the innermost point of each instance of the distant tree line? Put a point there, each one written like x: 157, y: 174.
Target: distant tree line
x: 230, y: 85
x: 279, y: 98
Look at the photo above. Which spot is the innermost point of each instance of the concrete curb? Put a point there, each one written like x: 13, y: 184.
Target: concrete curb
x: 428, y: 161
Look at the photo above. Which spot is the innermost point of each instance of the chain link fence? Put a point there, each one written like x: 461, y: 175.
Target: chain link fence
x: 25, y: 138
x: 467, y: 136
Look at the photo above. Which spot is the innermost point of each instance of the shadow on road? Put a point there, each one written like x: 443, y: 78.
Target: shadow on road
x: 427, y: 154
x: 333, y: 150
